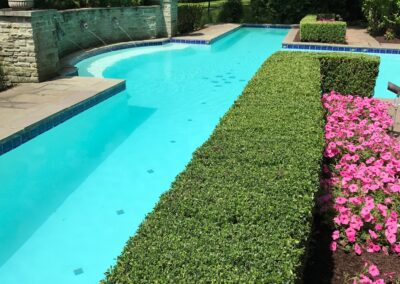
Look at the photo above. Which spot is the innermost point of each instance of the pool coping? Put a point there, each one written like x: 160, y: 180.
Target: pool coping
x: 40, y: 126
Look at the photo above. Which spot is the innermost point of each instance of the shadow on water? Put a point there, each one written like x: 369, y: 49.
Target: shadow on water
x: 37, y: 177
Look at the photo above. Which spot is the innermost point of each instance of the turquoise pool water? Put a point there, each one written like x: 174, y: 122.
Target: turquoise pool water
x: 389, y: 70
x: 71, y: 197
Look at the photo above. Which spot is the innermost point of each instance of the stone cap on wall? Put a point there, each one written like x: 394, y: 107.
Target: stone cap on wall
x: 20, y: 13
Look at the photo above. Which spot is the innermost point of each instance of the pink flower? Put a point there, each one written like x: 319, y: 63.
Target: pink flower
x: 396, y: 248
x: 335, y: 235
x: 365, y: 280
x: 351, y: 235
x: 355, y: 200
x: 372, y: 234
x: 357, y: 249
x: 341, y: 200
x: 373, y: 270
x: 333, y: 246
x: 353, y: 188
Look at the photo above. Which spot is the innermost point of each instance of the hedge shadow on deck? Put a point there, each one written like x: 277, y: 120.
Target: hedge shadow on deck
x: 242, y: 209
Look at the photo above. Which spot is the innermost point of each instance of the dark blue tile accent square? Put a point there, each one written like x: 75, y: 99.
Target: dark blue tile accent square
x: 150, y: 171
x: 78, y: 271
x: 120, y: 212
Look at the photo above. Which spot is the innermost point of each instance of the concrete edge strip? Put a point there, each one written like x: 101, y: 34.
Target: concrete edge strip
x: 17, y: 139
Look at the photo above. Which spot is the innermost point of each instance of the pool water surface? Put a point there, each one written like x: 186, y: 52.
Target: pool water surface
x: 71, y: 197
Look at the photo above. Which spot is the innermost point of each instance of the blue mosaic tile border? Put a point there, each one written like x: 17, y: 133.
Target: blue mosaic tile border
x: 268, y: 26
x: 340, y: 48
x: 196, y: 41
x: 48, y: 123
x: 127, y: 45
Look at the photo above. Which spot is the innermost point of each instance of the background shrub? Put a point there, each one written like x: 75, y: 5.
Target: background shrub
x: 382, y: 15
x: 241, y: 211
x: 349, y: 73
x: 291, y: 11
x: 317, y: 31
x: 232, y: 11
x: 189, y: 18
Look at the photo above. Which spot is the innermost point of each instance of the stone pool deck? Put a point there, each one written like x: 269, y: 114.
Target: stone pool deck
x: 208, y: 34
x: 355, y: 37
x: 30, y: 109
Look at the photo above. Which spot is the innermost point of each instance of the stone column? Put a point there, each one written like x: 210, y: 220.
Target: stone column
x: 28, y: 45
x: 170, y: 14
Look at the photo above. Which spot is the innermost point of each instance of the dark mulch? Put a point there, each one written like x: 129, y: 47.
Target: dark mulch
x: 382, y: 39
x: 325, y: 267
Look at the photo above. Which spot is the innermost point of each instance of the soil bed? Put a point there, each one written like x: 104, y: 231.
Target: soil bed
x: 381, y: 39
x: 339, y: 267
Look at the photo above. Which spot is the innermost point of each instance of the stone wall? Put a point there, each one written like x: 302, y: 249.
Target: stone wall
x: 107, y: 25
x: 33, y: 42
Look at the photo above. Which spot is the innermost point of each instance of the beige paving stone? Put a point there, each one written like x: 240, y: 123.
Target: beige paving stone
x: 27, y: 104
x: 210, y: 32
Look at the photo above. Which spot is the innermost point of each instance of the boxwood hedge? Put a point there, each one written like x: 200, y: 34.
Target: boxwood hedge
x: 349, y: 73
x: 241, y: 211
x: 318, y: 31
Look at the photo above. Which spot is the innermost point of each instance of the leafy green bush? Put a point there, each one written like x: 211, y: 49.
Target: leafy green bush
x: 241, y: 212
x: 322, y: 31
x: 276, y: 11
x: 349, y: 73
x: 189, y: 18
x: 232, y: 11
x: 291, y: 11
x: 382, y: 15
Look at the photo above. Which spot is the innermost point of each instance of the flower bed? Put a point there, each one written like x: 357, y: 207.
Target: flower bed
x: 361, y: 181
x: 312, y: 30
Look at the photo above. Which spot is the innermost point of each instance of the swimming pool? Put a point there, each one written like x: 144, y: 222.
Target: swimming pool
x: 71, y: 197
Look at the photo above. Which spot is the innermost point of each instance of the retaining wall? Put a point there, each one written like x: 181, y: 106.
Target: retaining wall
x: 33, y: 42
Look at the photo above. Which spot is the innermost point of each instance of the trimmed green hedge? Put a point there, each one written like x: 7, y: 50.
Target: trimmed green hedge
x: 241, y: 211
x: 316, y: 31
x: 349, y: 73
